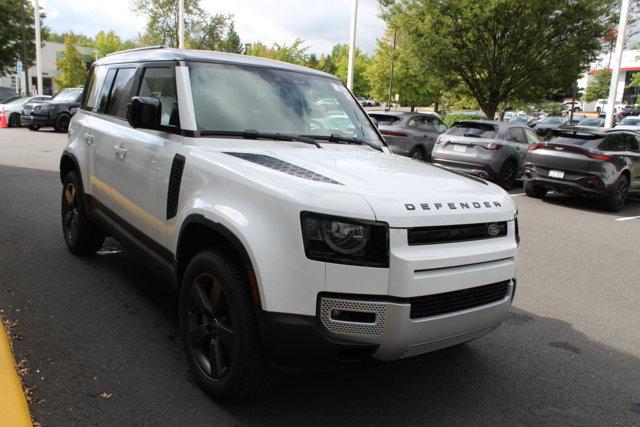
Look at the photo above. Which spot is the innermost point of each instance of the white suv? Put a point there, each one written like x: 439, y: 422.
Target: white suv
x: 292, y: 237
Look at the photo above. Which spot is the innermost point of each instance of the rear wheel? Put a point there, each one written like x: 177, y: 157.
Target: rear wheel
x: 62, y: 123
x: 535, y: 191
x: 219, y: 331
x: 14, y: 120
x: 507, y: 175
x: 81, y: 235
x: 417, y: 153
x: 616, y: 200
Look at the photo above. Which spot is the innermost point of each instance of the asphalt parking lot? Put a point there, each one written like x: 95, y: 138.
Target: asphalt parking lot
x: 99, y: 334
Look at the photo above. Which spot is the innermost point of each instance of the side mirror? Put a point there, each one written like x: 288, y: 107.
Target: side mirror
x: 144, y: 112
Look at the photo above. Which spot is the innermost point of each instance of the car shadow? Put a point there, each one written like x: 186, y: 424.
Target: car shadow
x: 631, y: 208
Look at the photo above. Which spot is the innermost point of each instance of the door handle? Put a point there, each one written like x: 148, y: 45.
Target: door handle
x: 120, y: 150
x: 88, y: 138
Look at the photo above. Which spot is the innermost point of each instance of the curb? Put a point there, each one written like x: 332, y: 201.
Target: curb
x: 14, y: 410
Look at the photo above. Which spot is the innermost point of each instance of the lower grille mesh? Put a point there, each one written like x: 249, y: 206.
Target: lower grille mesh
x: 464, y: 299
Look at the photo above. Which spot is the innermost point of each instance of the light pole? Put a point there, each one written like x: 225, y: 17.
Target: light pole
x: 352, y: 44
x: 617, y: 59
x: 393, y: 63
x: 180, y: 24
x: 36, y: 12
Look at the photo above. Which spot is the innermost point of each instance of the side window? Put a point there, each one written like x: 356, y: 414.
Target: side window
x: 516, y: 135
x: 96, y: 79
x: 121, y: 92
x: 613, y: 142
x: 635, y: 145
x: 414, y: 122
x: 532, y: 138
x: 427, y: 124
x: 104, y: 91
x: 630, y: 143
x: 160, y: 83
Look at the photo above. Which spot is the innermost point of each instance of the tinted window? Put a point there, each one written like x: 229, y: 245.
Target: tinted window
x: 630, y: 121
x: 615, y: 142
x: 95, y: 84
x: 473, y: 130
x: 532, y: 138
x: 69, y: 95
x: 160, y: 83
x: 121, y: 92
x: 104, y: 91
x: 516, y: 135
x: 581, y: 139
x: 385, y: 119
x: 591, y: 122
x: 552, y: 121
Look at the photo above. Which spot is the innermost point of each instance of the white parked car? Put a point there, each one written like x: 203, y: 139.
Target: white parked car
x: 289, y: 243
x: 13, y: 109
x: 577, y: 105
x: 629, y: 123
x: 601, y: 106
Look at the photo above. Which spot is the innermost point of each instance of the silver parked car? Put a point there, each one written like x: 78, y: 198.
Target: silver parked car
x: 410, y: 134
x: 492, y: 150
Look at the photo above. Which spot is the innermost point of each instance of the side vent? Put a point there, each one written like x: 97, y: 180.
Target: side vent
x: 175, y: 179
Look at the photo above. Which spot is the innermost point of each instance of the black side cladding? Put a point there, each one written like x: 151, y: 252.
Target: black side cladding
x: 175, y: 179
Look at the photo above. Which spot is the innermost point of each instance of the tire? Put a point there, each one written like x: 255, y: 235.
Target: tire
x: 417, y: 153
x: 62, y: 123
x: 534, y: 191
x: 33, y: 128
x: 221, y: 338
x: 507, y: 175
x: 80, y: 234
x: 616, y: 200
x: 14, y: 120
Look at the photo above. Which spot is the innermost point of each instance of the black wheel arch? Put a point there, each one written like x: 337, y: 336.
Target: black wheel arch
x: 68, y: 162
x: 198, y: 233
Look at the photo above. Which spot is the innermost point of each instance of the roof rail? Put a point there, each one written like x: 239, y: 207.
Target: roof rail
x: 137, y: 49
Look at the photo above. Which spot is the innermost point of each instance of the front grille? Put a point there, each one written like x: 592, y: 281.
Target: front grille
x: 456, y: 233
x: 464, y: 299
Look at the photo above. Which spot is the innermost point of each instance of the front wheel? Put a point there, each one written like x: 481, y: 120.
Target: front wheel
x: 417, y: 153
x: 62, y: 123
x: 219, y: 331
x: 81, y: 235
x: 616, y: 200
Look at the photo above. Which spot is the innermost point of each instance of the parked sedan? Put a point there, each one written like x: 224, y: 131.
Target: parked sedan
x: 56, y: 113
x: 492, y: 150
x: 11, y: 110
x: 410, y: 134
x: 586, y: 162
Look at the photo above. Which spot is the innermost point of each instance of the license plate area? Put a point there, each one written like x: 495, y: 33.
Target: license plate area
x: 556, y: 174
x: 460, y: 148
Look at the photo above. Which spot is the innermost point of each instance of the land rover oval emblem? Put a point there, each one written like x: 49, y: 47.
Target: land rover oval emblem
x: 493, y: 229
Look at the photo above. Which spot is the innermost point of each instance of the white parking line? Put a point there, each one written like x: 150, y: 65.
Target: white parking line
x: 627, y: 218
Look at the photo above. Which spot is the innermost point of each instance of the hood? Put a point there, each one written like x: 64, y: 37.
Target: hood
x: 401, y: 191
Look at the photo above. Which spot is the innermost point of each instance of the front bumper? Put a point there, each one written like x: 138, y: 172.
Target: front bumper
x: 397, y: 335
x: 33, y: 120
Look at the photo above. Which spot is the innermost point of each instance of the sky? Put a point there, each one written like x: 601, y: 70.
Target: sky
x: 321, y: 24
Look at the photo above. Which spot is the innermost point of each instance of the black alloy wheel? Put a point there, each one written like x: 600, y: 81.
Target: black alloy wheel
x: 507, y: 175
x: 615, y: 202
x: 62, y: 123
x: 14, y: 120
x: 80, y: 234
x: 70, y: 214
x: 211, y: 334
x: 417, y: 153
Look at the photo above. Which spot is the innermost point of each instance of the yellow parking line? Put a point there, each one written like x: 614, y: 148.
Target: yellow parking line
x: 14, y: 410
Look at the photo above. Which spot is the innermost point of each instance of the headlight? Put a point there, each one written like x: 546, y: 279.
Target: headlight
x: 344, y: 240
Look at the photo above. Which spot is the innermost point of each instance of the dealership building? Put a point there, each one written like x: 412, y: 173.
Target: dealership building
x: 51, y: 52
x: 628, y: 68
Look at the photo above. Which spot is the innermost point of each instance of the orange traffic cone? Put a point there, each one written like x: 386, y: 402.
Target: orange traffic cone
x: 3, y: 120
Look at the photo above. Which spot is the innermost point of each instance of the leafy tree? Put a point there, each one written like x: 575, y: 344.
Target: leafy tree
x: 340, y: 57
x: 295, y: 53
x: 106, y: 43
x: 232, y: 42
x: 73, y: 70
x: 17, y: 18
x: 598, y: 88
x: 416, y: 84
x: 504, y: 49
x: 80, y: 39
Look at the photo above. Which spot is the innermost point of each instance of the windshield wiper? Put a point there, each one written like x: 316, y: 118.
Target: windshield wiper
x: 334, y: 137
x: 254, y: 134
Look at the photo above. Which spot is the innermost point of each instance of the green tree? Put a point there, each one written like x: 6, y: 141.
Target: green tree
x: 80, y: 39
x: 598, y: 87
x: 106, y: 43
x: 340, y: 57
x: 232, y: 42
x: 415, y: 84
x: 73, y: 70
x: 504, y: 50
x: 295, y: 53
x: 17, y: 19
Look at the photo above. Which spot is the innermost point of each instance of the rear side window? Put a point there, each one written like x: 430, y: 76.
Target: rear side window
x: 385, y: 119
x: 473, y: 130
x: 103, y: 97
x: 620, y: 142
x: 121, y: 92
x: 516, y: 135
x: 160, y: 83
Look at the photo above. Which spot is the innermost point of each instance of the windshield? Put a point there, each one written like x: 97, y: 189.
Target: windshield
x: 68, y: 96
x: 552, y: 121
x: 385, y: 119
x: 12, y: 99
x: 238, y: 98
x: 473, y: 130
x: 630, y: 121
x: 591, y: 122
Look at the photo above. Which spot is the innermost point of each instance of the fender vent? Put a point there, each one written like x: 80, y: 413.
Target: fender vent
x: 282, y: 166
x: 173, y: 194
